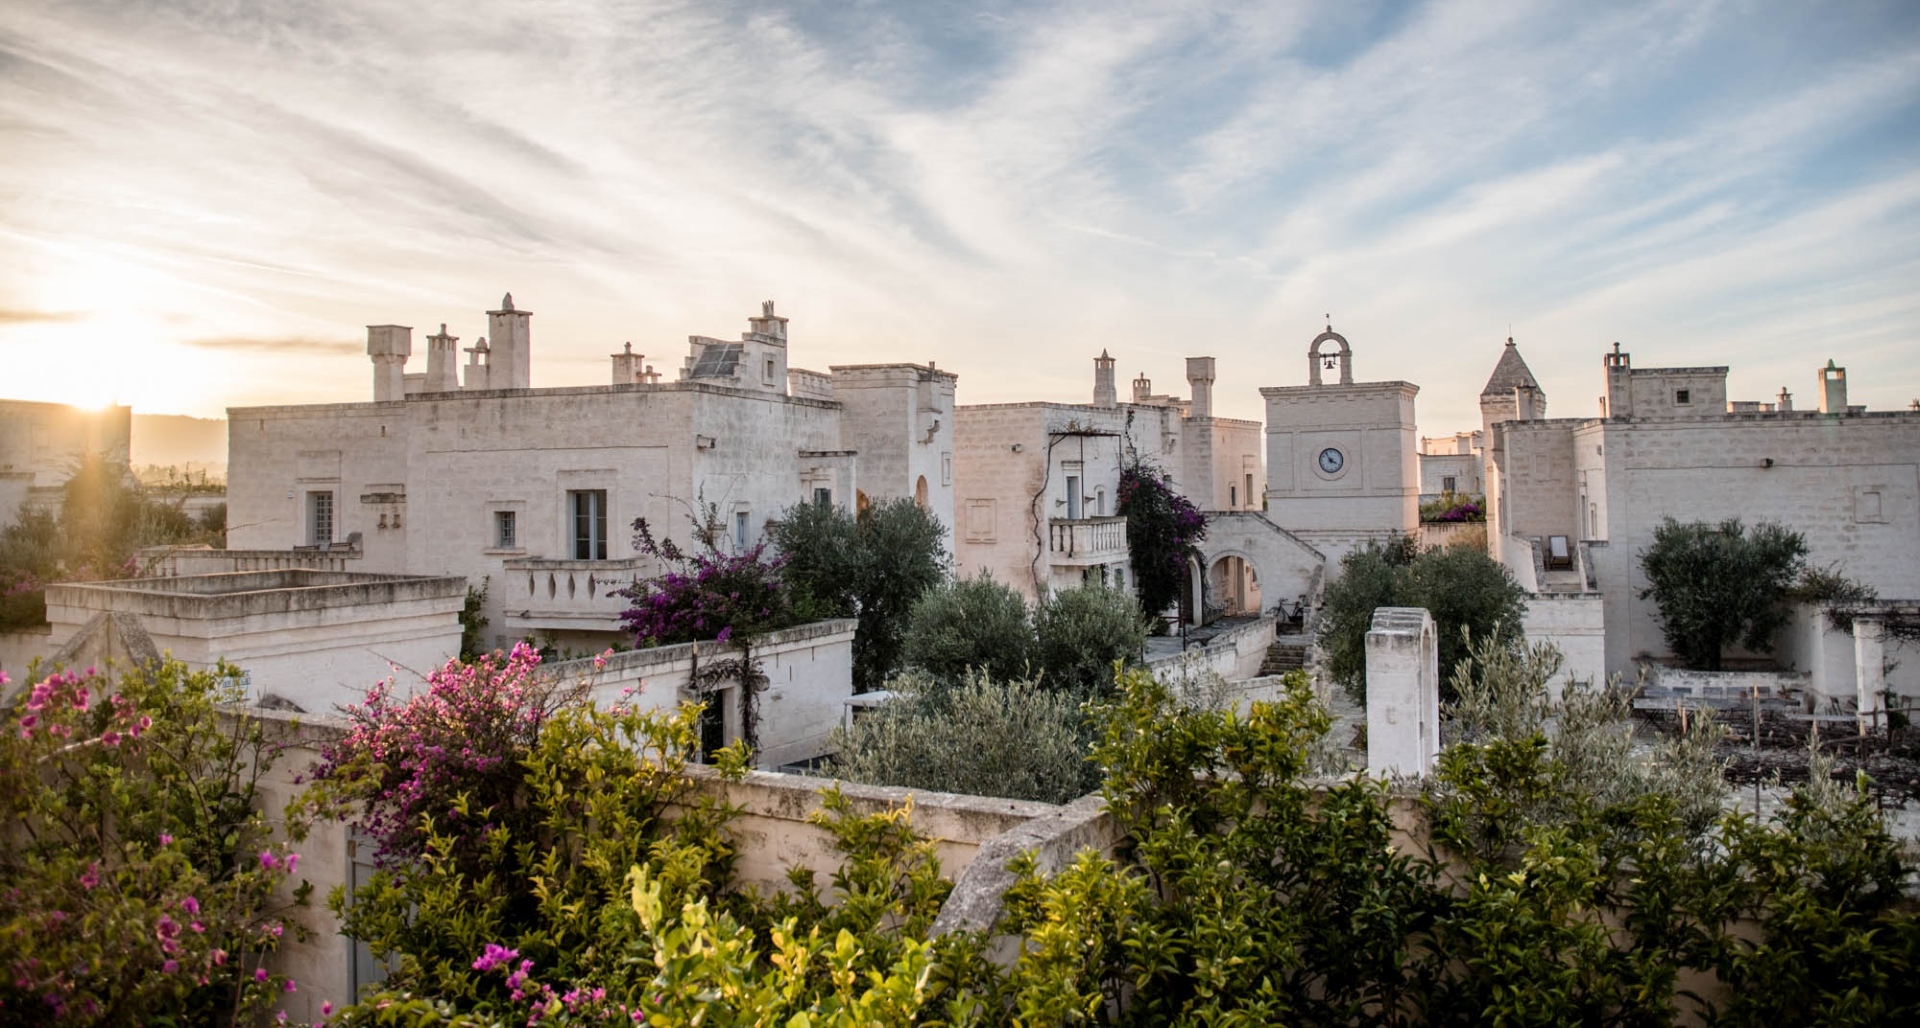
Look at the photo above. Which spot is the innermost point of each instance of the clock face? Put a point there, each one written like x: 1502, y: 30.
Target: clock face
x: 1332, y: 460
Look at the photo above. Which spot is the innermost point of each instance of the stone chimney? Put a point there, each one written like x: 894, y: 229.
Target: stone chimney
x: 1142, y: 388
x: 628, y: 367
x: 443, y: 369
x: 1785, y: 402
x: 1833, y: 389
x: 1200, y: 381
x: 1103, y: 390
x: 511, y: 364
x: 1619, y: 399
x: 389, y: 346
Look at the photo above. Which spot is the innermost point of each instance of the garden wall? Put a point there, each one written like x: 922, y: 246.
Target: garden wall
x: 17, y: 649
x: 809, y: 671
x: 1236, y: 654
x: 771, y: 830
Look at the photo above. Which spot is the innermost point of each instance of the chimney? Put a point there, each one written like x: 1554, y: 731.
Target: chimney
x: 1200, y: 381
x: 1833, y: 389
x: 1785, y: 402
x: 1142, y: 388
x: 442, y: 370
x: 1526, y: 404
x: 627, y: 367
x: 511, y: 364
x: 1618, y: 402
x: 389, y: 346
x: 1103, y: 391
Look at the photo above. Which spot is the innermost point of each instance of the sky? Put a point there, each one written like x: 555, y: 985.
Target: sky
x: 203, y: 204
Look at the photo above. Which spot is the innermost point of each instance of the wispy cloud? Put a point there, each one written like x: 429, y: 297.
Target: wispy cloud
x: 1004, y: 187
x: 287, y: 344
x: 10, y: 316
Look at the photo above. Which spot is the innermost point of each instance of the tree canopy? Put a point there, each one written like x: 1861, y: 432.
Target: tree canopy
x: 1720, y: 585
x: 1463, y: 588
x: 873, y: 566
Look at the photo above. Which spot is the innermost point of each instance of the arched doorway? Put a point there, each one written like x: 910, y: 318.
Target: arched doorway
x: 920, y: 492
x: 1233, y: 584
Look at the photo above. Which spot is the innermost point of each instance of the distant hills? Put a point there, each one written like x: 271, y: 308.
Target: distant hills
x: 176, y: 440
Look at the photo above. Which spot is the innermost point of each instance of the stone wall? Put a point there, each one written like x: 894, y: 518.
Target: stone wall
x: 17, y: 649
x: 1235, y: 654
x: 771, y: 831
x: 1575, y: 624
x: 314, y: 638
x: 809, y: 671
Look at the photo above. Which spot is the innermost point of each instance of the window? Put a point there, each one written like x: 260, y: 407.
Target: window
x: 1073, y: 497
x: 1683, y: 396
x: 822, y: 496
x: 1447, y: 484
x: 1100, y: 502
x: 320, y: 518
x: 739, y: 530
x: 1233, y: 497
x: 1249, y: 493
x: 770, y: 371
x: 588, y: 507
x: 505, y: 536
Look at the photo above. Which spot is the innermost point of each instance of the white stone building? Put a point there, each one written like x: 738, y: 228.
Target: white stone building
x: 1342, y: 456
x: 40, y: 443
x: 1452, y: 464
x: 534, y: 491
x: 1038, y: 491
x: 1573, y: 502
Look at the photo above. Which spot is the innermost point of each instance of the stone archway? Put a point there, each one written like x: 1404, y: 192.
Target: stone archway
x: 1233, y: 583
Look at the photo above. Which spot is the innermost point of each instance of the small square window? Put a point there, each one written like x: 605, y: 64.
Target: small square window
x: 1683, y: 396
x: 1447, y: 484
x: 822, y: 496
x: 505, y: 530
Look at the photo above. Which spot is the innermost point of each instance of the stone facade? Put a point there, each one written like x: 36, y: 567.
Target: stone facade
x: 1342, y: 456
x: 1848, y: 481
x: 534, y: 491
x: 1037, y: 484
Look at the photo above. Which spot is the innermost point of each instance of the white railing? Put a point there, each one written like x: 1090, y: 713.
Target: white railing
x: 1088, y: 538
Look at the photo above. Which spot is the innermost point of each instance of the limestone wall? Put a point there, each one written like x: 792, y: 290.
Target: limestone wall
x: 1849, y: 484
x: 1235, y: 654
x: 809, y: 671
x: 1575, y: 623
x: 17, y: 649
x: 771, y: 831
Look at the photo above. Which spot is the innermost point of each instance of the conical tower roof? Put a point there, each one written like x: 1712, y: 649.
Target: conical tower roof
x: 1511, y: 373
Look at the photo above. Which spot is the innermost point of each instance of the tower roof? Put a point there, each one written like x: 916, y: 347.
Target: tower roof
x: 1511, y: 373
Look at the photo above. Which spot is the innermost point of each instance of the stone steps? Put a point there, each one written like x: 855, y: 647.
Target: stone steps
x: 1283, y: 657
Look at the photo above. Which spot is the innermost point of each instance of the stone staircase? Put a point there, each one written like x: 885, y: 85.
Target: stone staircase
x: 1283, y: 656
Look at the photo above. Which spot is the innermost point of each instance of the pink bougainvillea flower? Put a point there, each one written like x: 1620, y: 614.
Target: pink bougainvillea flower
x: 259, y: 974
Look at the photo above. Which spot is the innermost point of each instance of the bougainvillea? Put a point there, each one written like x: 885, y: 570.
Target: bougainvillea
x: 706, y: 595
x: 1164, y: 530
x: 1451, y: 508
x: 452, y: 745
x: 140, y: 880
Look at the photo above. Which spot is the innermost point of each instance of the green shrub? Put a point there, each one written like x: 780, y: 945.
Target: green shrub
x: 1464, y: 590
x: 141, y: 880
x: 1080, y: 634
x: 1718, y: 586
x: 1017, y: 738
x: 970, y: 624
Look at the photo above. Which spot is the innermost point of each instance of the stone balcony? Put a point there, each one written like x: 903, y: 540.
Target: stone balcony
x: 1086, y: 541
x: 540, y: 593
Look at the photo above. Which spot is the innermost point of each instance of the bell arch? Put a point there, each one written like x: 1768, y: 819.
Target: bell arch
x: 1318, y: 357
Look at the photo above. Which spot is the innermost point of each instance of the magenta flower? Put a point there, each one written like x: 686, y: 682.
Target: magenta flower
x: 259, y: 974
x: 494, y: 956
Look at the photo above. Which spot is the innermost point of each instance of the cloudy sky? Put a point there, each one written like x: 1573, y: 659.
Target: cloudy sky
x: 204, y: 203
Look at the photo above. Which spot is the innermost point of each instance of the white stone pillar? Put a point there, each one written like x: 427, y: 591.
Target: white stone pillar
x: 1869, y: 665
x: 389, y: 346
x: 1403, y: 692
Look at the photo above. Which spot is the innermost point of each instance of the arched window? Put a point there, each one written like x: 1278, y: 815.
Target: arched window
x: 920, y: 492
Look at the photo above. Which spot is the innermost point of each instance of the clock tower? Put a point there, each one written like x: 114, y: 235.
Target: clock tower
x: 1343, y: 464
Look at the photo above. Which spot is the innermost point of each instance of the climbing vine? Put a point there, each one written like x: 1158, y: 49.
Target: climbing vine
x: 1164, y: 530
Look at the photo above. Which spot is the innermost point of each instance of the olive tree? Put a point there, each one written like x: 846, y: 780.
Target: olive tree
x: 1720, y: 585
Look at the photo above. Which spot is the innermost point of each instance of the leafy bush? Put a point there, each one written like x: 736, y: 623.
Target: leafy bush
x: 1080, y: 634
x: 140, y: 879
x: 1464, y: 589
x: 1717, y: 585
x: 969, y: 624
x: 874, y: 566
x: 1164, y: 530
x: 1013, y: 738
x: 705, y: 595
x: 543, y: 878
